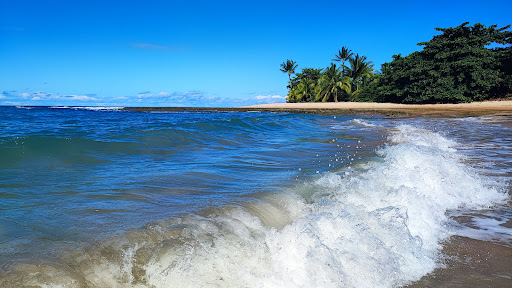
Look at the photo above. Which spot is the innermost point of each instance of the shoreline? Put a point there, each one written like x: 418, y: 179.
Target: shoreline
x: 485, y: 108
x: 497, y: 108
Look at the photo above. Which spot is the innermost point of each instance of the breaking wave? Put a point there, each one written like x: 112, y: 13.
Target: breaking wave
x: 374, y: 223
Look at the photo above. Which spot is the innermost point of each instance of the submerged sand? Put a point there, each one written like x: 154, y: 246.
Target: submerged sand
x: 475, y: 108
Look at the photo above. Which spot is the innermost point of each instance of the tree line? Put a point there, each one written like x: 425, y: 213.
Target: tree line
x: 455, y: 66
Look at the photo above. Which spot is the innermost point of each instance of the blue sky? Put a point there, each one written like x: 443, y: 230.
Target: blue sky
x: 201, y: 53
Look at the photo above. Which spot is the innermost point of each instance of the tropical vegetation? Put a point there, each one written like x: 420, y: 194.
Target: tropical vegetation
x: 333, y: 83
x: 289, y: 67
x: 463, y: 64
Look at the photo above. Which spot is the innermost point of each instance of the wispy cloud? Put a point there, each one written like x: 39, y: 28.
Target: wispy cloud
x: 42, y: 96
x: 152, y: 46
x: 272, y: 98
x: 178, y: 99
x: 45, y: 98
x: 80, y: 98
x: 147, y: 98
x: 201, y: 99
x: 259, y: 99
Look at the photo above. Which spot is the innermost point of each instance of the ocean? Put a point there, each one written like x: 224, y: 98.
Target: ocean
x: 105, y: 197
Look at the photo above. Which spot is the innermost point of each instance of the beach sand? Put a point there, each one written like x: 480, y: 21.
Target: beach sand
x: 392, y: 109
x: 471, y: 263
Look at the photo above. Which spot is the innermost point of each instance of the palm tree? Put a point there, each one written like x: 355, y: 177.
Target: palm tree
x: 299, y: 93
x: 303, y: 85
x: 331, y: 84
x: 289, y: 67
x: 359, y: 69
x: 343, y: 55
x: 352, y: 95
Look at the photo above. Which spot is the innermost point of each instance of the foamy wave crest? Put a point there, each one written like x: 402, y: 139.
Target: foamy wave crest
x: 362, y: 123
x: 100, y: 108
x: 377, y: 224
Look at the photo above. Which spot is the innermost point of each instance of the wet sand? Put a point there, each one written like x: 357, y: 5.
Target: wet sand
x: 471, y: 263
x: 487, y: 108
x: 392, y: 109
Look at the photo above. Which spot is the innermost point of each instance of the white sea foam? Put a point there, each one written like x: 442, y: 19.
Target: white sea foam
x: 362, y: 122
x: 378, y: 226
x: 100, y: 108
x: 93, y: 108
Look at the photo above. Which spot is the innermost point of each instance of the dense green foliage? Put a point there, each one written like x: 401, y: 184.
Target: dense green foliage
x: 331, y: 83
x: 455, y: 66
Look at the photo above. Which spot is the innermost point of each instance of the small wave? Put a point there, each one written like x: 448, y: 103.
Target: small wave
x: 92, y: 108
x: 99, y: 108
x: 362, y: 123
x: 349, y: 125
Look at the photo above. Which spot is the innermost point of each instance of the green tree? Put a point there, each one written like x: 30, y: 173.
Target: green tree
x: 360, y: 70
x: 332, y: 84
x: 303, y: 85
x: 343, y: 55
x: 300, y: 93
x: 454, y: 66
x: 371, y: 91
x: 289, y: 67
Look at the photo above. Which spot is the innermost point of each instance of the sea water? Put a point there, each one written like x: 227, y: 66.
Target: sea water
x: 94, y: 197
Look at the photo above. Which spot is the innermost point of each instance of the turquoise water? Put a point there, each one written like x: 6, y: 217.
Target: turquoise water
x: 112, y: 198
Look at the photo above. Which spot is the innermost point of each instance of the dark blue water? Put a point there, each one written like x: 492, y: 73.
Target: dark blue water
x: 113, y: 198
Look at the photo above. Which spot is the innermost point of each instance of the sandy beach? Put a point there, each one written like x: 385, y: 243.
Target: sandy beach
x: 463, y: 109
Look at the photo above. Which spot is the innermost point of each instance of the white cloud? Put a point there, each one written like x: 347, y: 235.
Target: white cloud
x: 270, y: 97
x: 164, y: 94
x: 148, y: 94
x: 39, y: 97
x: 179, y: 99
x: 147, y: 98
x: 200, y: 99
x: 80, y: 98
